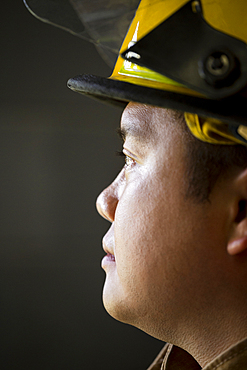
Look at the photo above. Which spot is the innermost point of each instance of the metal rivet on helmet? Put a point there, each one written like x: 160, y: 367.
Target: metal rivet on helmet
x: 219, y: 69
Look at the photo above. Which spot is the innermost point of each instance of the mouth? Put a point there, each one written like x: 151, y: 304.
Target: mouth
x: 109, y: 258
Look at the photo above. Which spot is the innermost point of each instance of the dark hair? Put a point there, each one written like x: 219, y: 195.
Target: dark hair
x: 207, y: 163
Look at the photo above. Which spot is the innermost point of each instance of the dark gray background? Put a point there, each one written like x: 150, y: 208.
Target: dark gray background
x: 56, y: 154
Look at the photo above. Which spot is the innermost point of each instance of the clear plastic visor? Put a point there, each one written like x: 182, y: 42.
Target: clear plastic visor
x: 102, y: 22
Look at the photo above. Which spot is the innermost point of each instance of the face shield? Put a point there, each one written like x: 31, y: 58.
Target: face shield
x: 185, y: 55
x: 101, y: 22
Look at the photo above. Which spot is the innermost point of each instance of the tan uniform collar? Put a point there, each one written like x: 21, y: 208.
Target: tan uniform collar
x: 174, y: 358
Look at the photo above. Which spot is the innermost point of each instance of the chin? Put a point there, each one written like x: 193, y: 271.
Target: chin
x: 117, y: 306
x: 126, y: 310
x: 120, y: 311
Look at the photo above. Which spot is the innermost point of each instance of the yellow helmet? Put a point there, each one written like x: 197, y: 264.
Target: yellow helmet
x: 178, y: 54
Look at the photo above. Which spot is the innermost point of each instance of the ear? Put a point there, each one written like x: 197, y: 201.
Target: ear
x: 238, y: 241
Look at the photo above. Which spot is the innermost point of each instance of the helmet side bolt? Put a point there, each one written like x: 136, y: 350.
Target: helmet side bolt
x: 217, y: 65
x: 219, y: 69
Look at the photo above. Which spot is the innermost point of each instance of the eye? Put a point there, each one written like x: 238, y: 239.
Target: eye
x: 128, y: 161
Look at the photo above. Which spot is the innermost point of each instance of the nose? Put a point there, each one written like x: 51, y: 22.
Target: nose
x: 106, y: 204
x: 107, y: 201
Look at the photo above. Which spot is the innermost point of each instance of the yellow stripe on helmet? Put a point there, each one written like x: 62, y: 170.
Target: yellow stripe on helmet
x: 212, y: 130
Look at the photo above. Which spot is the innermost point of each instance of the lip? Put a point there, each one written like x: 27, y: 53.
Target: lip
x: 109, y: 253
x: 109, y: 258
x: 107, y: 261
x: 108, y: 244
x: 107, y: 249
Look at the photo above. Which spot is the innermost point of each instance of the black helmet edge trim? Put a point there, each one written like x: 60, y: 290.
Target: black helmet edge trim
x: 231, y: 110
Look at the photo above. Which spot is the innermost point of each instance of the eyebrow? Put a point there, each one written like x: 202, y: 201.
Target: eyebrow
x: 132, y: 130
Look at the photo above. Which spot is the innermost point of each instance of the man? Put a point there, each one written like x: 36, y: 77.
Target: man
x: 176, y: 250
x: 175, y: 263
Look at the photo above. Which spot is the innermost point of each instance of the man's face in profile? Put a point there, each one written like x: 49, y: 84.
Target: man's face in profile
x: 161, y: 245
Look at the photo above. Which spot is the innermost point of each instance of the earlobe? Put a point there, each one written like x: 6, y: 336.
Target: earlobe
x: 237, y: 246
x: 238, y: 242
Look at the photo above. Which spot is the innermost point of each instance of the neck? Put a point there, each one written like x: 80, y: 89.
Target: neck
x: 210, y: 341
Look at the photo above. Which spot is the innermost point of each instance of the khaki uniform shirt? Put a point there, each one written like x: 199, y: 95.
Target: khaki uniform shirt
x: 174, y: 358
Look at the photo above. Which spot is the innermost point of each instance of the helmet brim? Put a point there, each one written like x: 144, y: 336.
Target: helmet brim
x: 231, y: 110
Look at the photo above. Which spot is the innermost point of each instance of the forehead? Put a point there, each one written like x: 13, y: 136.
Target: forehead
x: 147, y: 123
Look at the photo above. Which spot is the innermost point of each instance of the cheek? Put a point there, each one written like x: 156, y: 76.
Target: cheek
x: 142, y: 224
x: 154, y: 229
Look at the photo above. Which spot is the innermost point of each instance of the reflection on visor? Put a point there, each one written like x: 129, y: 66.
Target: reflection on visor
x: 102, y: 22
x: 107, y: 22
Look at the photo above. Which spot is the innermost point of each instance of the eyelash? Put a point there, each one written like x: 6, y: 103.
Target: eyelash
x: 127, y: 158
